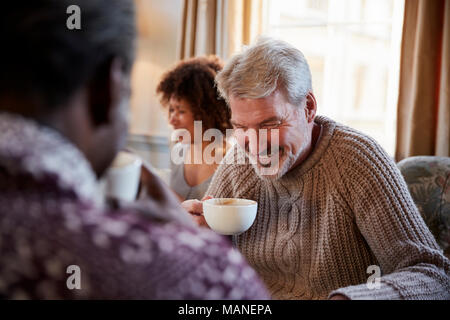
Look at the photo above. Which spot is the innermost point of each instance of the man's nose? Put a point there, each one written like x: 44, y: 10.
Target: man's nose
x: 251, y: 145
x: 258, y: 146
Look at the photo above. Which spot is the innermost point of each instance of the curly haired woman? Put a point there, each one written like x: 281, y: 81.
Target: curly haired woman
x: 188, y: 92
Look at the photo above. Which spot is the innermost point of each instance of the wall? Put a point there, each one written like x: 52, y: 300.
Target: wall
x: 158, y: 23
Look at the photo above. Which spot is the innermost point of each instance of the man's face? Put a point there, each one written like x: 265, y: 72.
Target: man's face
x: 122, y: 116
x: 113, y: 136
x: 272, y: 113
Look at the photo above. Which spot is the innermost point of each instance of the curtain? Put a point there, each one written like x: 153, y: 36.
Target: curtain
x: 423, y: 118
x: 218, y: 26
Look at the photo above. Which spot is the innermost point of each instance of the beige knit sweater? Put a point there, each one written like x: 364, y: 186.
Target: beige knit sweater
x: 319, y: 227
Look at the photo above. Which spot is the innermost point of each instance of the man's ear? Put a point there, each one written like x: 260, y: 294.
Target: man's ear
x: 310, y: 107
x: 104, y: 91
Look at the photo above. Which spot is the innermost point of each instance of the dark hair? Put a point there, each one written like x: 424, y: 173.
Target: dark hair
x: 42, y: 58
x: 193, y: 81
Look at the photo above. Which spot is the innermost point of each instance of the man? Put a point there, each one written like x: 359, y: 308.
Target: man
x: 63, y: 106
x: 335, y: 219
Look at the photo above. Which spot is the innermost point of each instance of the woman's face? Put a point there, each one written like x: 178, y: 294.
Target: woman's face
x: 181, y: 116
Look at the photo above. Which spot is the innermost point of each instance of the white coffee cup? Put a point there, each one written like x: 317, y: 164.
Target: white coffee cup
x: 229, y: 216
x: 121, y: 180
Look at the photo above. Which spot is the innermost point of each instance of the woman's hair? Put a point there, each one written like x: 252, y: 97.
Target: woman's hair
x: 193, y: 81
x: 264, y: 67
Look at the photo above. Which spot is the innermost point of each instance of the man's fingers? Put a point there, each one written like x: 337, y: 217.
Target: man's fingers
x: 200, y: 220
x: 156, y: 188
x: 151, y: 182
x: 193, y: 206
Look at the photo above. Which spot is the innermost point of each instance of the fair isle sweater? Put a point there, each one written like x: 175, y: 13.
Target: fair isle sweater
x: 320, y: 226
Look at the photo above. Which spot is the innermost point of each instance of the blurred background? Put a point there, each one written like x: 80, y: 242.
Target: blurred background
x: 354, y: 48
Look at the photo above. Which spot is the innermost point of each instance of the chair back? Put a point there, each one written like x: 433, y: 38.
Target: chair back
x: 428, y: 180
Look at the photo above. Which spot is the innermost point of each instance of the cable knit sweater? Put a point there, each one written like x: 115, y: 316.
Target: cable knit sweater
x: 320, y: 227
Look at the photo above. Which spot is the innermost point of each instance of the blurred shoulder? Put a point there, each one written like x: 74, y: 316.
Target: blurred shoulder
x: 352, y: 145
x: 359, y: 158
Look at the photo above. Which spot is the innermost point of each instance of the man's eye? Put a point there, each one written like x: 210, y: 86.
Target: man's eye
x: 270, y: 125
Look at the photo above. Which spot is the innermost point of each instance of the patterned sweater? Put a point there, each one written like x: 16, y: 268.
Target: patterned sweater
x: 58, y: 240
x: 321, y: 226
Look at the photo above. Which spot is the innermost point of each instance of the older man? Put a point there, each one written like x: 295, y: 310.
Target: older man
x: 335, y: 219
x: 63, y: 108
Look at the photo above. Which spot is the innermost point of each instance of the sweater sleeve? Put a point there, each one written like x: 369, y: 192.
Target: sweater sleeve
x: 234, y: 178
x: 412, y: 264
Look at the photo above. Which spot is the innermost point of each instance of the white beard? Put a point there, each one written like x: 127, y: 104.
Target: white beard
x: 274, y: 173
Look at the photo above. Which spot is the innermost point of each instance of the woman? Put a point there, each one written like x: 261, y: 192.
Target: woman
x: 189, y: 93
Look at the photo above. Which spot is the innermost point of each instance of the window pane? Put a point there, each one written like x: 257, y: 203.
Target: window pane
x: 353, y: 47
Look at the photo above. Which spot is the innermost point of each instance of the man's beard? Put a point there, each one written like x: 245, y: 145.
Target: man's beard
x: 274, y: 172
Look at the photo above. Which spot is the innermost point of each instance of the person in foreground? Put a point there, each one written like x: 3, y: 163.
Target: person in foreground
x: 63, y: 107
x: 335, y: 209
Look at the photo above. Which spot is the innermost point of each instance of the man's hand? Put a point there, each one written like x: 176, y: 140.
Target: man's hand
x: 158, y: 197
x: 195, y: 208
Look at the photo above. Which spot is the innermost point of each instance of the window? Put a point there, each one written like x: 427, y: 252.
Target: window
x: 353, y: 48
